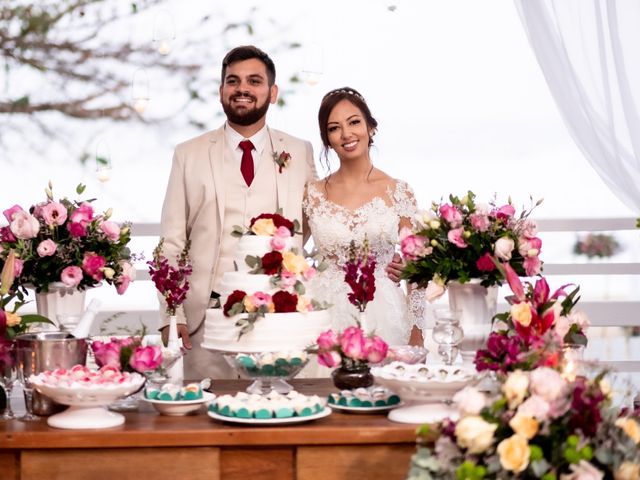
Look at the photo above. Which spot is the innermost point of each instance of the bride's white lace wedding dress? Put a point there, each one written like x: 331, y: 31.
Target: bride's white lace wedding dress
x: 333, y: 227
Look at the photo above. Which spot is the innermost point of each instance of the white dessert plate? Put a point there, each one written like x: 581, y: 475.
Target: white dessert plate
x: 364, y: 410
x: 178, y: 408
x: 271, y: 421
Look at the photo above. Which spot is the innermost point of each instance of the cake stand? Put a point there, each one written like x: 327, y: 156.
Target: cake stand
x: 269, y: 371
x: 87, y: 403
x: 427, y: 390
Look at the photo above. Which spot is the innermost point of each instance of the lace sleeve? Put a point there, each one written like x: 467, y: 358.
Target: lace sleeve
x: 310, y: 199
x: 404, y: 202
x: 406, y: 208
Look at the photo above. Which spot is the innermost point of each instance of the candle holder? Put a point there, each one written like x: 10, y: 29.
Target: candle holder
x: 572, y: 361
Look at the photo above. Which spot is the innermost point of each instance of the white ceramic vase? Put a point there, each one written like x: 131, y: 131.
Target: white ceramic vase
x: 62, y: 305
x: 477, y: 306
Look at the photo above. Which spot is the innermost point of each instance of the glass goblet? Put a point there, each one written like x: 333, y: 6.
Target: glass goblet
x: 25, y: 364
x: 447, y: 333
x: 7, y: 379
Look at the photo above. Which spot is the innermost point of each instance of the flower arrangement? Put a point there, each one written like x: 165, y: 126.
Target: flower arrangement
x: 65, y: 241
x: 539, y: 426
x: 359, y: 273
x: 534, y: 330
x: 127, y: 354
x: 351, y: 348
x: 171, y: 281
x: 599, y: 245
x: 462, y: 240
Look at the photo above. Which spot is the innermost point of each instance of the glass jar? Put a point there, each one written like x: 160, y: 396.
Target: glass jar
x: 447, y: 333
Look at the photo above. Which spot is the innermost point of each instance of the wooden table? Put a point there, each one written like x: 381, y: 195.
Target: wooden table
x: 151, y: 446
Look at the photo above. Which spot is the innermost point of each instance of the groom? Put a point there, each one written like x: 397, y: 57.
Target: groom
x: 219, y: 180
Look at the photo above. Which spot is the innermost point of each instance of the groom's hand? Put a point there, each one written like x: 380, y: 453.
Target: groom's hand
x: 183, y: 332
x: 394, y: 269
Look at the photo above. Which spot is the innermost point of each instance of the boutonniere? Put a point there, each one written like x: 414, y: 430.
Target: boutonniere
x: 282, y: 159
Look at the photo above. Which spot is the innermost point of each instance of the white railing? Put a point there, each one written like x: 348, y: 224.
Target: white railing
x: 602, y: 313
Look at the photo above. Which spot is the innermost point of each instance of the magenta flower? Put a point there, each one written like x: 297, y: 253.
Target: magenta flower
x: 327, y: 340
x: 93, y: 264
x: 145, y: 359
x: 352, y: 343
x: 10, y: 212
x: 451, y: 215
x: 82, y: 215
x: 329, y: 359
x: 376, y: 349
x: 106, y: 354
x: 77, y: 230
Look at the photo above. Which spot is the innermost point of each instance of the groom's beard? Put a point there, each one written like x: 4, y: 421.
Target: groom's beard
x: 246, y: 117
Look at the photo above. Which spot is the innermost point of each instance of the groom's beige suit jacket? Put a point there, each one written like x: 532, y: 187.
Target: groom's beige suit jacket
x: 196, y: 204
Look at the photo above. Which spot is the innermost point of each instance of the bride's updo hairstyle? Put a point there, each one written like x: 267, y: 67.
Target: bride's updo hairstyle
x: 330, y: 100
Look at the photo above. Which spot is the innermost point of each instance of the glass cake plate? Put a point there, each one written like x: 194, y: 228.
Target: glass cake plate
x: 269, y: 370
x: 427, y: 389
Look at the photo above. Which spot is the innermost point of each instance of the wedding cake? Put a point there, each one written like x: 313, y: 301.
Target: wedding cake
x: 265, y: 304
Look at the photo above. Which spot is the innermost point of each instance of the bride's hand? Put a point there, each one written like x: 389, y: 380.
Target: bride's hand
x: 394, y: 269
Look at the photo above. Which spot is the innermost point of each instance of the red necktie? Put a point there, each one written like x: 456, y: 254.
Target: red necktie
x: 246, y: 166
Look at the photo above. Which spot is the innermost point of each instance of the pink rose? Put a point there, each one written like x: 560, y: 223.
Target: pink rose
x: 17, y: 267
x: 376, y: 349
x: 54, y: 213
x: 327, y: 340
x: 485, y: 263
x: 529, y: 228
x: 547, y: 383
x: 83, y: 214
x: 451, y: 215
x: 455, y: 236
x: 278, y: 243
x: 106, y: 353
x: 46, y: 248
x: 93, y: 264
x: 288, y: 279
x: 412, y: 246
x: 535, y: 406
x: 24, y: 225
x: 480, y: 223
x: 352, y: 343
x: 562, y: 326
x: 329, y: 359
x: 111, y: 230
x: 282, y: 232
x: 76, y: 230
x: 505, y: 212
x: 261, y: 298
x: 10, y: 212
x: 145, y: 359
x: 71, y: 276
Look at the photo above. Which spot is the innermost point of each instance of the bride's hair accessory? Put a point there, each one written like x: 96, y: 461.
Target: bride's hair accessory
x: 344, y: 90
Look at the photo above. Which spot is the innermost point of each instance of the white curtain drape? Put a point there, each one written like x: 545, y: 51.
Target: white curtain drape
x: 589, y: 52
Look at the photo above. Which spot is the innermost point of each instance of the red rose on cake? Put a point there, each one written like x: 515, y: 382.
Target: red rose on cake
x: 285, y: 302
x: 271, y: 262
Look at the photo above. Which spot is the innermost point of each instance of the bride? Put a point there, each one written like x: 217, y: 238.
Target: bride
x: 357, y: 201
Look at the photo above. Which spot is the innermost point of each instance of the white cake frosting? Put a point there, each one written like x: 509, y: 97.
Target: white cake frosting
x: 274, y: 332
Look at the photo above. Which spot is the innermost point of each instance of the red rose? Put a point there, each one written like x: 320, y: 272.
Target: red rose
x: 485, y: 263
x: 285, y: 302
x: 271, y: 262
x: 278, y: 221
x: 235, y: 297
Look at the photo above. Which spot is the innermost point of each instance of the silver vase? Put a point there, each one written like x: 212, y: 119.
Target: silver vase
x: 477, y: 306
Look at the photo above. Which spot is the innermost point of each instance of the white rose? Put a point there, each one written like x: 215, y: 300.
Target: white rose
x: 474, y: 433
x: 503, y: 248
x: 581, y: 319
x: 470, y: 401
x: 482, y: 208
x: 515, y: 388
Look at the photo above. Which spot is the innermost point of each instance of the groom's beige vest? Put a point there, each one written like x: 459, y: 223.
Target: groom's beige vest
x: 242, y: 204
